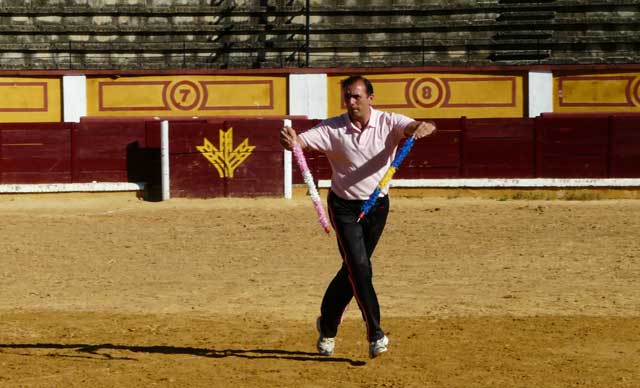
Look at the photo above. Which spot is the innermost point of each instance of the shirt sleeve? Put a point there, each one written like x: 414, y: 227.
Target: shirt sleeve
x: 317, y: 138
x: 399, y: 123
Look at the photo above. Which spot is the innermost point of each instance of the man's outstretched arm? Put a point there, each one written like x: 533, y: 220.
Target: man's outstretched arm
x: 288, y: 138
x: 420, y: 129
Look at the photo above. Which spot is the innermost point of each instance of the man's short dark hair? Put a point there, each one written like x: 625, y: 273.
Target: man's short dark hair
x: 355, y: 78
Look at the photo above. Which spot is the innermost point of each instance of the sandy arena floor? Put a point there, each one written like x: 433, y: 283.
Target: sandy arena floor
x: 110, y: 291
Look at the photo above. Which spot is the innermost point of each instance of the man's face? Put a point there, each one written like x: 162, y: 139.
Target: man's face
x: 356, y: 100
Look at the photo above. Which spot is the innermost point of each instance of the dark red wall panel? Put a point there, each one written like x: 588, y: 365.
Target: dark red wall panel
x: 260, y: 174
x: 32, y: 154
x: 562, y: 146
x: 625, y: 147
x: 437, y: 156
x: 572, y: 147
x: 185, y: 137
x: 191, y: 174
x: 498, y: 148
x: 102, y: 149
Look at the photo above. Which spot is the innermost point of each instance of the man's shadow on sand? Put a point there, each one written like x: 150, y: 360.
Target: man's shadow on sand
x: 101, y: 351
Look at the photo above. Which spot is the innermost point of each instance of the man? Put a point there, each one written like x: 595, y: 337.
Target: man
x: 360, y: 146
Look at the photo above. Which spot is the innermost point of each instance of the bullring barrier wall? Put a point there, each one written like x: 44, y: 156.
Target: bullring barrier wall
x: 217, y: 157
x: 567, y: 146
x: 92, y: 114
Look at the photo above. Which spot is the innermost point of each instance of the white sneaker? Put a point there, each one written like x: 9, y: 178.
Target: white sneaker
x: 378, y: 347
x: 325, y: 345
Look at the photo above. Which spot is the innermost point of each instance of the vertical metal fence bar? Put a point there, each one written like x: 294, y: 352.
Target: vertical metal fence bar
x: 307, y: 31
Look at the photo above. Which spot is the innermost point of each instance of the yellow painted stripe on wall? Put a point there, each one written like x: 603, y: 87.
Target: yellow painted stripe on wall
x: 30, y: 100
x: 612, y: 92
x: 471, y: 91
x: 125, y: 95
x: 440, y: 95
x: 385, y: 93
x: 187, y: 96
x: 253, y: 94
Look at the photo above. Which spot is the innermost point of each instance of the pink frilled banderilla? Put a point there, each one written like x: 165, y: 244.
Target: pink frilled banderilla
x: 313, y: 192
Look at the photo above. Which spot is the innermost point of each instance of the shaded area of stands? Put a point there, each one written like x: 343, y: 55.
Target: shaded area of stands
x: 173, y: 34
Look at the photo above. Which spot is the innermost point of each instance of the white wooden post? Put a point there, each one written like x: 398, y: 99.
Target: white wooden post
x: 288, y: 170
x: 164, y: 157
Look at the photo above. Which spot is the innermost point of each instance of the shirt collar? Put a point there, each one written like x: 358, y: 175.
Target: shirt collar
x: 373, y: 119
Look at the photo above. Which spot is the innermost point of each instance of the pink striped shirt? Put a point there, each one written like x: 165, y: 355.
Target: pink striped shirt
x: 358, y: 158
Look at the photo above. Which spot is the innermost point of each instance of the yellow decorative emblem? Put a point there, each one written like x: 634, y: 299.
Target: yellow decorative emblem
x: 226, y: 159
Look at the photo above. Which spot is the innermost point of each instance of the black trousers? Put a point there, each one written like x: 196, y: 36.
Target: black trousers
x: 356, y: 242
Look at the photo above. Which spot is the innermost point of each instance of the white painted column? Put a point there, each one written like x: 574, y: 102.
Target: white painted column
x: 540, y: 92
x: 164, y: 159
x: 307, y: 97
x: 288, y: 169
x: 74, y: 97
